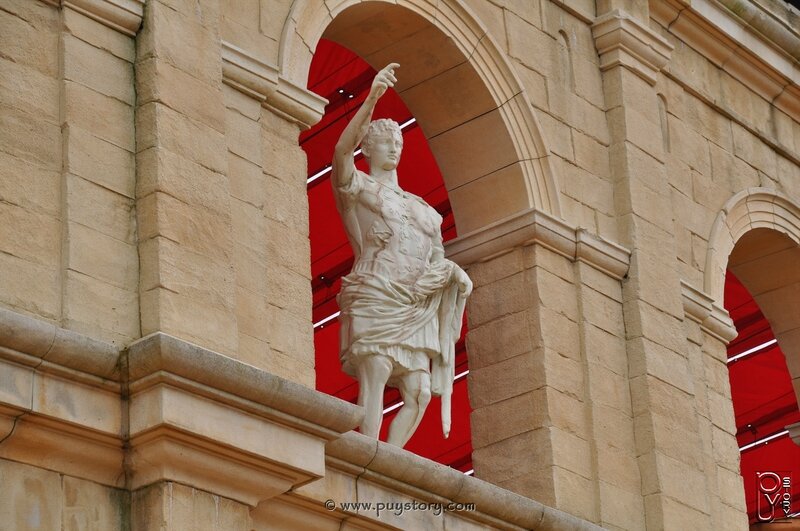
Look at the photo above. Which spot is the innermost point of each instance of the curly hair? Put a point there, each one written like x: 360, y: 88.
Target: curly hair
x: 383, y: 126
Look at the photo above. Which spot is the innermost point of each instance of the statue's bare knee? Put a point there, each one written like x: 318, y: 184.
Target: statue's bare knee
x: 373, y: 373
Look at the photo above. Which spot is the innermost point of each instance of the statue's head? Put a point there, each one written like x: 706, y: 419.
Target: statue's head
x: 383, y: 144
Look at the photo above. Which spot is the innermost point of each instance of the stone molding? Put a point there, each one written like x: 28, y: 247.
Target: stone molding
x: 712, y: 318
x: 401, y: 471
x: 163, y: 409
x: 621, y: 40
x: 261, y: 81
x: 535, y: 227
x: 125, y: 16
x: 755, y: 50
x: 749, y: 209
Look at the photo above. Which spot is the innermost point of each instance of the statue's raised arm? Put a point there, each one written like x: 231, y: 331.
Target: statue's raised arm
x: 343, y: 165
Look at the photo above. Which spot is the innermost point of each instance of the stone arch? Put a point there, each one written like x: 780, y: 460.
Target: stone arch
x: 459, y: 86
x: 757, y: 237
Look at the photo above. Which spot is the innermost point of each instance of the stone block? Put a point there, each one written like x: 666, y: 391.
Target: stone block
x: 656, y: 325
x: 594, y: 192
x: 618, y: 469
x: 753, y: 150
x: 696, y: 70
x: 603, y: 312
x: 17, y: 224
x: 99, y: 208
x: 92, y: 507
x: 291, y: 366
x: 556, y: 293
x: 527, y: 453
x: 289, y: 248
x: 98, y: 309
x: 286, y: 203
x: 647, y: 357
x: 709, y: 122
x: 506, y: 379
x: 566, y: 412
x: 161, y: 170
x: 605, y: 350
x: 520, y: 414
x: 182, y: 38
x: 31, y: 497
x: 499, y: 340
x: 725, y: 449
x: 620, y: 508
x: 721, y: 412
x: 99, y: 161
x: 30, y: 138
x: 609, y: 388
x: 503, y: 266
x: 24, y: 88
x: 197, y: 321
x: 591, y: 155
x: 98, y: 69
x: 283, y: 157
x: 730, y: 488
x: 246, y: 181
x: 177, y: 268
x: 106, y: 117
x: 537, y: 484
x: 544, y: 258
x: 575, y: 494
x: 291, y: 335
x: 532, y: 46
x: 251, y: 269
x: 29, y: 186
x: 572, y: 453
x: 158, y: 125
x: 505, y: 296
x: 158, y: 81
x: 102, y: 257
x: 253, y: 351
x: 289, y: 291
x: 30, y: 36
x: 245, y: 105
x: 249, y: 226
x: 493, y: 17
x: 609, y: 429
x: 689, y: 146
x: 588, y: 78
x: 559, y: 333
x: 243, y: 136
x: 173, y: 507
x: 658, y: 433
x: 30, y: 287
x: 196, y: 229
x: 559, y: 136
x: 684, y: 483
x: 679, y: 516
x: 99, y: 35
x: 564, y: 373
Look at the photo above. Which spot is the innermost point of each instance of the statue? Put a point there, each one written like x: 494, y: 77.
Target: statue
x: 403, y: 302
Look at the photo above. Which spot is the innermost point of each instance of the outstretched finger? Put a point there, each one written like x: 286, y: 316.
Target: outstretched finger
x: 391, y: 67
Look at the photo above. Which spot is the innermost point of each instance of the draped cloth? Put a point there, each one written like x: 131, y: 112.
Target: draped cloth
x: 416, y: 326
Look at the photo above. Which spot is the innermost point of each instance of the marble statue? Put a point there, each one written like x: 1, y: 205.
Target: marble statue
x: 403, y: 302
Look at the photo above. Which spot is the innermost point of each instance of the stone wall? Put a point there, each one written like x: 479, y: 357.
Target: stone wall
x: 153, y: 212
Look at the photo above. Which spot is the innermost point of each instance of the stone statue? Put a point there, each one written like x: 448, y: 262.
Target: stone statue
x: 402, y: 304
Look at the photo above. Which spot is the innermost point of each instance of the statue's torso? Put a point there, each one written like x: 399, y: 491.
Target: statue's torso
x: 397, y: 230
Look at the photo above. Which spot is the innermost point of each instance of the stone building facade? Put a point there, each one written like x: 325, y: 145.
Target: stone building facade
x: 606, y: 161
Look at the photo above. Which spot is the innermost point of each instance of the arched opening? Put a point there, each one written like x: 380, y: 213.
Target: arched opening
x: 344, y: 79
x: 762, y: 295
x: 467, y: 99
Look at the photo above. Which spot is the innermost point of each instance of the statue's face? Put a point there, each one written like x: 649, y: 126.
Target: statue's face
x: 384, y: 151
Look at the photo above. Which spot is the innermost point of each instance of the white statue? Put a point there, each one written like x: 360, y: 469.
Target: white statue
x: 402, y: 304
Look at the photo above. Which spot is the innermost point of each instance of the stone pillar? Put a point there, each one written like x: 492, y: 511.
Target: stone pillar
x: 547, y: 376
x: 183, y: 204
x: 669, y: 403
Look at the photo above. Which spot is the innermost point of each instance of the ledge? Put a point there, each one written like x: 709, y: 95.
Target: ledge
x: 535, y: 227
x: 261, y: 81
x: 712, y: 318
x: 621, y: 40
x: 153, y: 356
x: 377, y: 465
x: 124, y: 16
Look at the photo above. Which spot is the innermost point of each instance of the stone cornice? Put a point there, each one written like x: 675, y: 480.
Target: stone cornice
x: 261, y: 81
x: 44, y: 344
x: 701, y: 308
x: 124, y: 16
x: 621, y: 40
x: 421, y: 478
x: 742, y: 48
x: 535, y: 227
x: 159, y: 354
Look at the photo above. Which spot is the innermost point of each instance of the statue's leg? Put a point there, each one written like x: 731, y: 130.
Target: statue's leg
x: 373, y: 372
x: 415, y: 387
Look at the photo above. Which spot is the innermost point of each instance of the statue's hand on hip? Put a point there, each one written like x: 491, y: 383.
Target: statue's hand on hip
x: 463, y: 281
